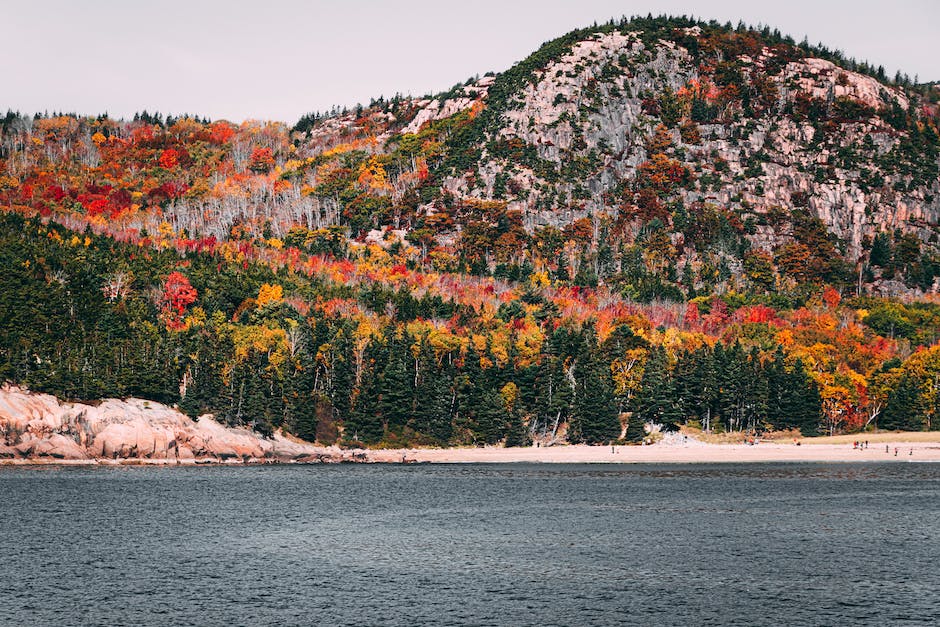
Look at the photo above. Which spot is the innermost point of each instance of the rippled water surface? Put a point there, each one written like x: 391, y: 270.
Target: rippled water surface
x: 787, y: 544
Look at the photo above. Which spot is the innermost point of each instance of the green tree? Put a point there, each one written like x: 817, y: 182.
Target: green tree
x: 595, y: 417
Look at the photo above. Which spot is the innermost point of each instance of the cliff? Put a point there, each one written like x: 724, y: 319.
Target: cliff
x: 726, y: 141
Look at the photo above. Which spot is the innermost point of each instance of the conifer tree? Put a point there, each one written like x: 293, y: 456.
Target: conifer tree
x: 433, y: 398
x: 396, y: 388
x: 656, y: 400
x: 595, y: 416
x: 489, y: 418
x: 365, y: 420
x: 516, y: 433
x: 903, y: 411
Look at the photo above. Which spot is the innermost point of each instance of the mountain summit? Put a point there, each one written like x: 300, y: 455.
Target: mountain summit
x: 727, y: 142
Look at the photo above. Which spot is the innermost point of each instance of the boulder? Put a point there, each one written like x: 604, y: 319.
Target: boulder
x: 55, y: 446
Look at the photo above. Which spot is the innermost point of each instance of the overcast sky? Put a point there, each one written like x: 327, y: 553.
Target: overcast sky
x: 277, y: 59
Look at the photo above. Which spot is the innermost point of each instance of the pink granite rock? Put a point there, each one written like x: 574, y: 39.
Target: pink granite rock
x: 55, y: 446
x: 39, y: 426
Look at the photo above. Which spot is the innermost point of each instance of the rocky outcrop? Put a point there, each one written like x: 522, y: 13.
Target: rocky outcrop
x: 750, y: 130
x: 595, y: 107
x: 39, y: 427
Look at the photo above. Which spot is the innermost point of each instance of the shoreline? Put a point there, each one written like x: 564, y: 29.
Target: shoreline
x: 41, y: 430
x: 691, y: 452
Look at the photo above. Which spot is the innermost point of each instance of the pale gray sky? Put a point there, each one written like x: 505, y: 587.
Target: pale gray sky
x: 277, y: 59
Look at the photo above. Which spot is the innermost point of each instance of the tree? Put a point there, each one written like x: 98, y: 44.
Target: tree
x: 904, y: 410
x: 178, y: 294
x: 364, y: 423
x: 656, y: 400
x: 432, y: 415
x: 396, y: 391
x: 489, y: 419
x: 801, y: 403
x: 595, y: 417
x: 881, y: 252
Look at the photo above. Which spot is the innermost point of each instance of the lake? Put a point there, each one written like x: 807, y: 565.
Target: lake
x: 749, y: 544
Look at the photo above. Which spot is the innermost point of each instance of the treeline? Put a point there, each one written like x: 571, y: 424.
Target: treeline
x: 85, y: 317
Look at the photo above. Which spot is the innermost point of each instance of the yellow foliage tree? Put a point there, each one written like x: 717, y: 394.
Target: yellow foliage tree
x: 270, y: 294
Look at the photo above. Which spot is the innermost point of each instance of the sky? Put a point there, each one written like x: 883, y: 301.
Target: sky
x: 279, y: 59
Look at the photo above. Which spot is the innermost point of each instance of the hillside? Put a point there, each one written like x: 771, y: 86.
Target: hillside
x: 647, y: 221
x: 734, y: 145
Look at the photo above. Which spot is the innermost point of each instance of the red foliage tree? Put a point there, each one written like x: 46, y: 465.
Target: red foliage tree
x: 169, y: 158
x: 178, y: 294
x: 262, y: 160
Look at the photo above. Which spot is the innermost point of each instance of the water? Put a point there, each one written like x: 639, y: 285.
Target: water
x: 763, y: 544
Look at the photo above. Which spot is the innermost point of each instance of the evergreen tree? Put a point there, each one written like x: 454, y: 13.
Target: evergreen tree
x: 656, y: 400
x: 365, y: 419
x: 595, y: 417
x: 343, y: 375
x: 516, y: 433
x: 489, y: 418
x: 802, y: 401
x: 881, y: 253
x: 756, y: 393
x: 434, y: 398
x: 903, y: 411
x: 396, y: 388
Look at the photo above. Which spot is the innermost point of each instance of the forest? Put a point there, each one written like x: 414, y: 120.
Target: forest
x: 412, y: 359
x: 369, y: 277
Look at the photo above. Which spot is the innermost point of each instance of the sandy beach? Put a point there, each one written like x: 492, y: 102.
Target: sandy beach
x: 691, y: 452
x: 674, y: 449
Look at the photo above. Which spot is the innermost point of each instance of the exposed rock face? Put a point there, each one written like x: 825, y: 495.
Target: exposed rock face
x: 40, y: 427
x: 587, y: 107
x: 569, y: 139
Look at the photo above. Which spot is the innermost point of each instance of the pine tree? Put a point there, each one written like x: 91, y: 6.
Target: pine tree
x: 756, y: 392
x: 469, y: 386
x: 708, y: 388
x: 595, y: 417
x: 554, y: 395
x: 732, y: 378
x: 903, y: 411
x: 343, y: 376
x: 397, y: 396
x: 802, y: 403
x: 365, y: 418
x: 433, y: 398
x: 656, y: 400
x: 777, y: 382
x: 489, y: 418
x: 516, y: 433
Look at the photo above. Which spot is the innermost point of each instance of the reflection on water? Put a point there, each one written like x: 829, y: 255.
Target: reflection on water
x: 793, y: 544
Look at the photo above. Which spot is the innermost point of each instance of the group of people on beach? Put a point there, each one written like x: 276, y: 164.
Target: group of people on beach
x: 862, y: 445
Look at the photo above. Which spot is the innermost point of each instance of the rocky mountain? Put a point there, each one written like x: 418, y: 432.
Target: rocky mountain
x: 732, y: 139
